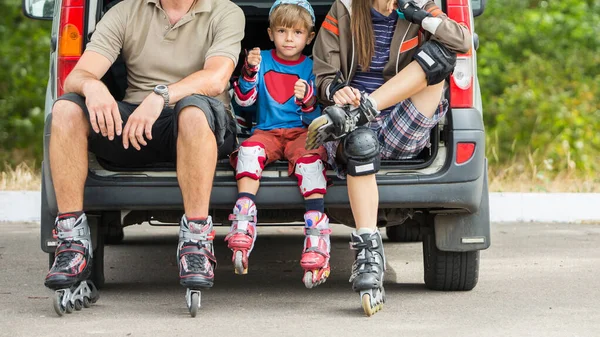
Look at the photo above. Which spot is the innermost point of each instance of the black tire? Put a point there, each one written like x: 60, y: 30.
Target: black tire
x: 50, y: 260
x: 97, y: 275
x: 409, y: 231
x: 449, y: 271
x: 115, y: 236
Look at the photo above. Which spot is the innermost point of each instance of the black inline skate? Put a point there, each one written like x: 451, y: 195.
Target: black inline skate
x: 368, y: 269
x: 196, y: 259
x: 72, y: 266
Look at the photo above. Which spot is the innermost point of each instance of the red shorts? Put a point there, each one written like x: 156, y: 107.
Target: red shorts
x: 282, y: 144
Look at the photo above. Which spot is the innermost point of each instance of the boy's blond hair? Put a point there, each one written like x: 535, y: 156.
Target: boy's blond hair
x: 290, y: 16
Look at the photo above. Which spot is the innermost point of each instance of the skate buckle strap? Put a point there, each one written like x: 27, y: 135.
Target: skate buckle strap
x: 69, y: 247
x: 242, y: 217
x: 197, y: 250
x: 201, y: 237
x: 82, y: 233
x: 316, y: 231
x: 369, y: 244
x: 316, y: 250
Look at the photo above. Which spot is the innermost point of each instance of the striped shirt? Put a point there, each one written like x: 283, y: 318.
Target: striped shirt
x: 383, y: 27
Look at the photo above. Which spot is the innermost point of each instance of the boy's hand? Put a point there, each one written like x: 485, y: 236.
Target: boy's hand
x: 300, y: 89
x: 253, y: 58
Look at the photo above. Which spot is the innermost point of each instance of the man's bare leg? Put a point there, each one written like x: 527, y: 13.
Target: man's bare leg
x: 68, y: 166
x: 196, y: 161
x: 68, y: 155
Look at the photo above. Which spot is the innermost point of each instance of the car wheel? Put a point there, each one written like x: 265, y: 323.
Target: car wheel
x: 449, y: 271
x: 409, y: 231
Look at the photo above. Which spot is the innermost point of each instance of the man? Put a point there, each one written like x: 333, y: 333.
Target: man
x: 179, y: 55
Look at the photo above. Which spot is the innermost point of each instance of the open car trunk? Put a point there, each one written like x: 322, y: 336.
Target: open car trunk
x: 429, y: 161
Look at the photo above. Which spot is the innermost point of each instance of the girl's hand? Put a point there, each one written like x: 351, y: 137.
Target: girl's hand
x: 346, y: 96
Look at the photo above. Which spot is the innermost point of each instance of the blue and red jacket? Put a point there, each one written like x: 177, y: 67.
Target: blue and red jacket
x: 271, y: 84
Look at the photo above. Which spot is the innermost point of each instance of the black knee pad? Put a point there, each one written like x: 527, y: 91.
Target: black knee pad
x: 436, y: 60
x: 360, y: 152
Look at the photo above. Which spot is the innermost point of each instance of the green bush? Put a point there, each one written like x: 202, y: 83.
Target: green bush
x: 539, y: 64
x: 539, y: 69
x: 24, y: 61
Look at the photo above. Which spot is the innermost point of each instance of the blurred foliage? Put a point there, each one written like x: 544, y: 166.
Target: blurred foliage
x: 539, y: 70
x: 24, y: 56
x: 539, y: 65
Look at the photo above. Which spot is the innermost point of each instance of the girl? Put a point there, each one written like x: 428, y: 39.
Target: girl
x: 383, y: 65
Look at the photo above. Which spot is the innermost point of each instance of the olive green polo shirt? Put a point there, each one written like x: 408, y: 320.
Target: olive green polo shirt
x: 156, y: 52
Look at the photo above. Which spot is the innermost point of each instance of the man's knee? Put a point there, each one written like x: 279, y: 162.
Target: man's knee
x: 436, y: 60
x: 67, y: 115
x: 192, y: 120
x: 360, y: 152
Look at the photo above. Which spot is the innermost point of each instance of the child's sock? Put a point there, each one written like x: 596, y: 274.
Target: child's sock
x: 246, y: 195
x: 315, y: 205
x: 362, y: 231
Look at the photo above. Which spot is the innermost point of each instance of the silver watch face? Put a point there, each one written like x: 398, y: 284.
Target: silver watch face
x: 161, y: 89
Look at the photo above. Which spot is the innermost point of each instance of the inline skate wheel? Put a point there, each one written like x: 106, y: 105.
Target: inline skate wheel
x: 86, y: 302
x: 78, y: 305
x: 69, y: 307
x: 308, y: 283
x: 194, y: 303
x: 369, y: 307
x: 239, y: 263
x: 58, y: 307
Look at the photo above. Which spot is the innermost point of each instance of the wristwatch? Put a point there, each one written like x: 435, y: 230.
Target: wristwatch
x: 162, y: 90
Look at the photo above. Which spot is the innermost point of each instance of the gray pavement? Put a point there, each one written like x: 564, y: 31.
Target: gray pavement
x: 536, y: 280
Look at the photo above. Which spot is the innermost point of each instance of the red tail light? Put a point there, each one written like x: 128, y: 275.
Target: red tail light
x: 464, y: 152
x: 461, y: 83
x: 70, y: 39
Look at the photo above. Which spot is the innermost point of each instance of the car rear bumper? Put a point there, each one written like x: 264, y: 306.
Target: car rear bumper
x: 454, y: 187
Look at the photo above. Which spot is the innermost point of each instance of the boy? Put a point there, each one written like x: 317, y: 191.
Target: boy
x: 282, y: 83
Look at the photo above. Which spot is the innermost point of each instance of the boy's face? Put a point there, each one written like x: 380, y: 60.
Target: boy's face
x: 289, y: 42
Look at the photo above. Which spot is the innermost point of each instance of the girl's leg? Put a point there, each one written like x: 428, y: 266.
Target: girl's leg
x: 410, y: 83
x: 369, y: 263
x: 364, y: 200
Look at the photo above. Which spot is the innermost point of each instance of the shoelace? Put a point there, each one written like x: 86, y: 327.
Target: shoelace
x: 63, y: 259
x: 196, y: 262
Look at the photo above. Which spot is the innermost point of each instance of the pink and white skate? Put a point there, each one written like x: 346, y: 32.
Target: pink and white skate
x: 315, y: 257
x: 242, y: 234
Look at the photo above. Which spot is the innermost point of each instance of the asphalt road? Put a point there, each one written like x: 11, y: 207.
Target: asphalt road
x: 535, y: 280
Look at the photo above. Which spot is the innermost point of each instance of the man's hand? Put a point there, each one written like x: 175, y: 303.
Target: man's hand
x: 412, y: 12
x: 347, y: 96
x: 253, y: 59
x: 300, y: 89
x: 103, y: 109
x: 141, y: 120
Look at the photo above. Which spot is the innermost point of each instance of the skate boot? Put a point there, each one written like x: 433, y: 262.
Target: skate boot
x: 315, y: 257
x: 72, y: 266
x: 368, y: 269
x: 242, y: 234
x: 336, y: 122
x: 196, y: 259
